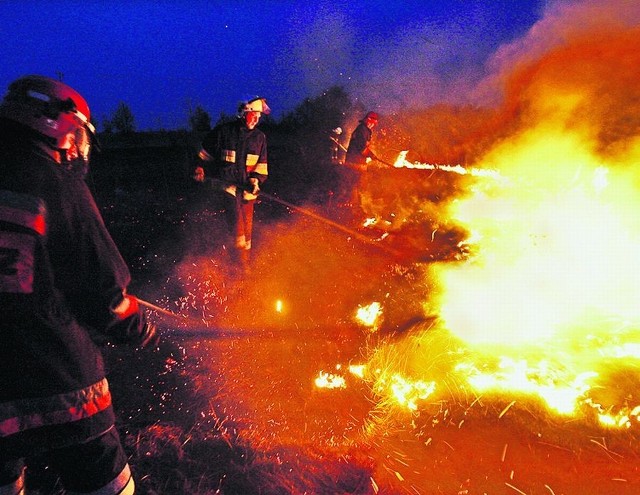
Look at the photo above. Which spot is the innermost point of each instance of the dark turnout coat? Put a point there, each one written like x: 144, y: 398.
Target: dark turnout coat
x: 61, y: 276
x: 235, y: 154
x: 358, y: 149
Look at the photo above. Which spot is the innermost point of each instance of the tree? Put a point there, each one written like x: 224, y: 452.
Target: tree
x: 199, y: 119
x: 123, y: 120
x: 107, y: 125
x: 322, y: 113
x: 305, y: 133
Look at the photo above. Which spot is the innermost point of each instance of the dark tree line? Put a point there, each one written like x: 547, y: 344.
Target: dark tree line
x: 327, y: 109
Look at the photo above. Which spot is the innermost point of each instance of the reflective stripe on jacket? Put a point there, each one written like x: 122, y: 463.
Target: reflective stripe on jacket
x: 25, y: 414
x: 234, y: 153
x: 61, y: 277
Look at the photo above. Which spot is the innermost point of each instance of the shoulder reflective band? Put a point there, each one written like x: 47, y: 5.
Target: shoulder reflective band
x: 22, y: 216
x: 23, y: 210
x: 204, y: 155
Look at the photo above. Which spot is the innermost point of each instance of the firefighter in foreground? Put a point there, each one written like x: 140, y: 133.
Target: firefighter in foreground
x: 234, y: 154
x: 62, y: 293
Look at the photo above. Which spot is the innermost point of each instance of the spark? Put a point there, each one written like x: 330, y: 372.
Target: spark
x: 374, y: 485
x: 504, y: 411
x: 604, y: 447
x: 514, y: 488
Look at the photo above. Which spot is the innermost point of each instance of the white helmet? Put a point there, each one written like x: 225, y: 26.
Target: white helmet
x: 255, y: 104
x: 53, y: 110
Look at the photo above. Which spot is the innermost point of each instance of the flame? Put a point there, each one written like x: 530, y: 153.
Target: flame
x: 396, y: 388
x: 401, y: 162
x: 357, y: 370
x: 368, y: 222
x: 555, y: 252
x: 546, y: 304
x: 329, y: 380
x: 369, y: 315
x: 559, y: 391
x: 556, y: 267
x: 408, y: 392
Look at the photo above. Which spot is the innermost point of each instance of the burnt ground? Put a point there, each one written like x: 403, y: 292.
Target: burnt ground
x: 226, y: 403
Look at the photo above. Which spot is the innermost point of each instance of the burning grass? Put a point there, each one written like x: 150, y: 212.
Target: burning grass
x: 240, y: 413
x: 180, y: 462
x: 484, y: 341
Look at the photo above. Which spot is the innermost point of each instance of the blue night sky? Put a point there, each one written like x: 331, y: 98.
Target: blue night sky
x: 163, y: 57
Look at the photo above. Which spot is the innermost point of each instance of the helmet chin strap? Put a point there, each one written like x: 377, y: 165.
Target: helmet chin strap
x: 47, y: 149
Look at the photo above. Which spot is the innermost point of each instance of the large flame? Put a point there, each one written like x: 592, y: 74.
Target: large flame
x: 555, y: 250
x: 546, y: 305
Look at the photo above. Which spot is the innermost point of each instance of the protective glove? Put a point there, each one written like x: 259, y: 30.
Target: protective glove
x: 255, y: 185
x: 149, y: 338
x: 132, y: 325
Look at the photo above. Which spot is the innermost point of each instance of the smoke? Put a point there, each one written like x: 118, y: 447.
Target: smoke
x: 553, y: 285
x: 412, y: 59
x: 425, y: 64
x: 317, y: 55
x: 562, y: 24
x: 428, y: 60
x: 579, y: 66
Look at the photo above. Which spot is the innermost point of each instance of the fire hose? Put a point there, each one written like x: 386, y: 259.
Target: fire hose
x: 338, y: 143
x: 162, y: 311
x: 352, y: 233
x: 196, y: 327
x: 356, y: 235
x: 203, y: 327
x: 374, y: 157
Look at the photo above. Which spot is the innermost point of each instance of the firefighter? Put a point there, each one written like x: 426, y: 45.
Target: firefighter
x: 63, y: 294
x: 358, y: 155
x: 359, y: 149
x: 234, y: 154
